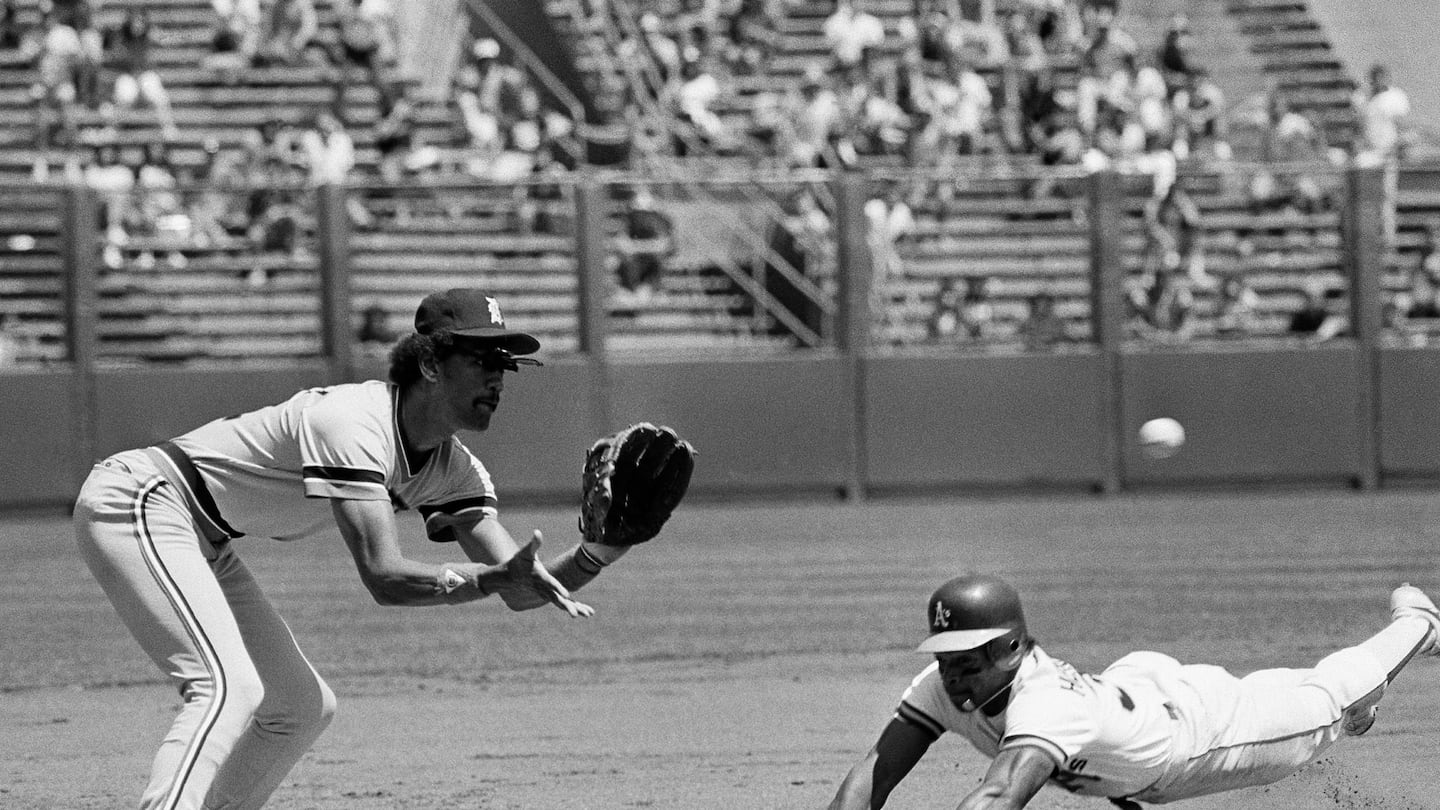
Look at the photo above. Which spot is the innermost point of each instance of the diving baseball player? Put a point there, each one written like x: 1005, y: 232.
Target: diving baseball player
x: 1147, y: 729
x: 161, y: 528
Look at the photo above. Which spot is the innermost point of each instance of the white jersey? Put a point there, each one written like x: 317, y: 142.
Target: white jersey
x: 272, y: 471
x: 1110, y: 735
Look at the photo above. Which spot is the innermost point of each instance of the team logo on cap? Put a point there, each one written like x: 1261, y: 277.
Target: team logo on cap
x: 494, y: 306
x: 942, y: 616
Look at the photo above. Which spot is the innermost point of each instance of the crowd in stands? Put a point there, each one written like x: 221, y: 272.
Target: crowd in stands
x: 1044, y: 84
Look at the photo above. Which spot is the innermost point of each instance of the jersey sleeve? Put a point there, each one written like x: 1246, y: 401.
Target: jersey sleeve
x: 344, y: 451
x: 468, y: 497
x: 1058, y: 720
x: 925, y: 704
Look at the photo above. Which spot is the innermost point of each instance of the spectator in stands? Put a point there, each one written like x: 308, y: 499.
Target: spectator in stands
x: 976, y: 40
x: 1149, y: 101
x: 14, y: 343
x: 276, y: 229
x: 961, y: 114
x: 1237, y: 307
x: 1109, y: 51
x: 1177, y: 57
x: 1383, y: 109
x: 1042, y: 327
x: 695, y: 98
x: 59, y: 62
x: 645, y: 245
x: 1174, y: 235
x: 234, y: 39
x: 880, y: 126
x: 1429, y: 256
x: 219, y: 206
x: 1421, y: 298
x: 480, y: 120
x: 1162, y: 307
x: 853, y: 34
x: 1020, y: 78
x: 943, y: 321
x: 128, y: 47
x: 1318, y: 319
x: 375, y: 334
x: 890, y: 221
x: 12, y: 32
x: 1289, y: 137
x: 112, y: 182
x: 502, y: 86
x: 367, y: 37
x: 754, y: 35
x: 819, y: 131
x: 1061, y: 26
x: 288, y: 35
x: 663, y: 49
x: 159, y: 209
x: 402, y: 154
x: 923, y: 32
x: 1200, y: 119
x: 329, y: 151
x: 967, y: 316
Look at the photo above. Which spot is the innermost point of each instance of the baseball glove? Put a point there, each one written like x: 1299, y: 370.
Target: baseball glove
x: 632, y: 481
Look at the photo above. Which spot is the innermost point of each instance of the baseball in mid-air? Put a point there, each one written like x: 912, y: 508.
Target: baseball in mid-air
x: 1161, y: 437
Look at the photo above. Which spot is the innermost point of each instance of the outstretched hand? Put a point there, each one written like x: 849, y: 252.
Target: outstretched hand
x: 528, y: 578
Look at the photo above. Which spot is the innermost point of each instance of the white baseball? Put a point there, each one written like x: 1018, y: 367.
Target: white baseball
x: 1161, y: 437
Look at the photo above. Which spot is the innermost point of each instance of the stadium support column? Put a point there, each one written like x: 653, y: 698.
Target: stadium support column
x: 1107, y: 318
x: 81, y: 244
x: 1365, y: 248
x: 592, y: 285
x: 854, y: 276
x: 337, y: 338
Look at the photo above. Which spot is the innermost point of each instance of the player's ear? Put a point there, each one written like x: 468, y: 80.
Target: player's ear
x: 430, y: 367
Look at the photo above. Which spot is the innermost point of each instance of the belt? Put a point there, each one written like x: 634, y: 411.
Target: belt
x: 197, y: 495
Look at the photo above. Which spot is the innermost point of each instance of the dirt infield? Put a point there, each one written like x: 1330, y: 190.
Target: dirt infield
x: 744, y: 660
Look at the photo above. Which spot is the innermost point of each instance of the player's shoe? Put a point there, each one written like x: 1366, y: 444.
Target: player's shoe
x: 1408, y: 600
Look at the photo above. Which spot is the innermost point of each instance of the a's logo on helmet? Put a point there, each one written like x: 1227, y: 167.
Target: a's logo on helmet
x: 941, y: 619
x: 494, y: 311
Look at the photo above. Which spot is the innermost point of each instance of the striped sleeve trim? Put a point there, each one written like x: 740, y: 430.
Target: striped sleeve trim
x: 438, y: 517
x: 344, y: 482
x: 341, y: 475
x: 920, y: 720
x: 460, y: 507
x: 1024, y: 740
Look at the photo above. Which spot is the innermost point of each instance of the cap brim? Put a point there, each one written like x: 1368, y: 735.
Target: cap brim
x: 513, y: 342
x: 957, y: 640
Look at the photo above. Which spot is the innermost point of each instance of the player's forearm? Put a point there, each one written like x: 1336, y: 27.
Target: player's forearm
x: 580, y: 565
x: 858, y: 792
x: 419, y: 584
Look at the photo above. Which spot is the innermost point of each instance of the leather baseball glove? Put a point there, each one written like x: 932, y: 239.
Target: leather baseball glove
x: 632, y: 482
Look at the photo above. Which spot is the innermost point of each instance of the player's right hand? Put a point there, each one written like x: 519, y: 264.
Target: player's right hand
x: 529, y: 583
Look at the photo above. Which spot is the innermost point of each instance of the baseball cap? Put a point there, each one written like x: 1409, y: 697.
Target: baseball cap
x: 471, y: 313
x: 971, y: 611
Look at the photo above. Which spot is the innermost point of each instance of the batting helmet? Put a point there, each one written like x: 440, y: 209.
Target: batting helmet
x: 973, y: 611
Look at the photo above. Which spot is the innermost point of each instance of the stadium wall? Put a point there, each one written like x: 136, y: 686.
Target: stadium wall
x: 809, y: 425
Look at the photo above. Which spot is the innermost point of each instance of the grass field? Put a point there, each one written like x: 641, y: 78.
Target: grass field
x: 743, y: 660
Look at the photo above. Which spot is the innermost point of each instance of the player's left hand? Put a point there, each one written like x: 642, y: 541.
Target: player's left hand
x: 530, y: 584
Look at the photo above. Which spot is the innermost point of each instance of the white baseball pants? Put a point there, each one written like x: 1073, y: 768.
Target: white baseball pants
x: 252, y: 703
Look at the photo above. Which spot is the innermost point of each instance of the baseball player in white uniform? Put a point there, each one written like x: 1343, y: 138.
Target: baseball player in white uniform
x: 161, y: 528
x: 1147, y: 729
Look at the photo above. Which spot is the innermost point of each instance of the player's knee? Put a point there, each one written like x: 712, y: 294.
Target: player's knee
x: 1347, y: 675
x: 304, y: 711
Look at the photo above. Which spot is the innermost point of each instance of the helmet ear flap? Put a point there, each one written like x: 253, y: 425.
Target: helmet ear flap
x: 1005, y: 652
